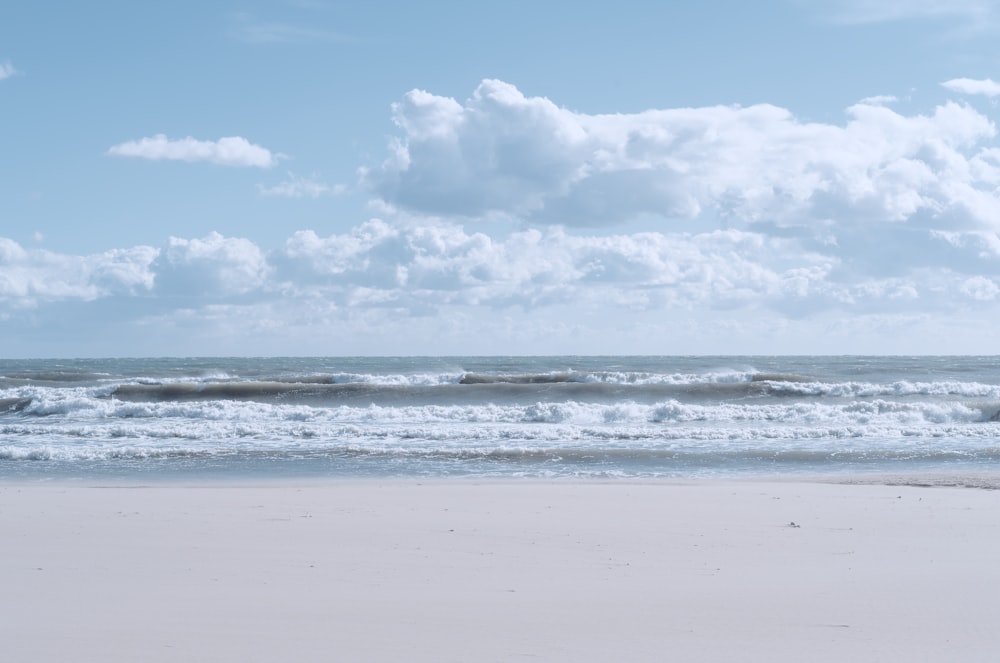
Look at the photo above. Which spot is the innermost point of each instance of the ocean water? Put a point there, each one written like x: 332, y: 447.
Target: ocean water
x: 599, y: 417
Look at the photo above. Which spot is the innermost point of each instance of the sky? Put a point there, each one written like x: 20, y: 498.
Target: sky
x: 313, y: 177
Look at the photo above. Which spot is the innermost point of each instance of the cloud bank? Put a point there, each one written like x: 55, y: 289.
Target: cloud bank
x: 228, y: 151
x: 381, y: 284
x: 501, y: 153
x: 33, y: 278
x: 421, y: 267
x: 762, y: 233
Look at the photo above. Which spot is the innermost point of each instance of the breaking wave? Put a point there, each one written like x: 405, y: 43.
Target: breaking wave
x: 613, y: 412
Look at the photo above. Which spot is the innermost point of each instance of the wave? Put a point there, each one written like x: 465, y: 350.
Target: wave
x: 611, y: 377
x: 483, y: 387
x: 503, y: 390
x: 71, y: 409
x: 134, y: 453
x: 8, y: 405
x: 898, y: 389
x: 468, y: 387
x: 778, y: 377
x: 569, y: 458
x: 51, y: 376
x: 343, y: 378
x: 539, y: 378
x: 179, y: 391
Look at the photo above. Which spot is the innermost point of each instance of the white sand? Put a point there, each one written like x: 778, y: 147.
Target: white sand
x: 499, y: 571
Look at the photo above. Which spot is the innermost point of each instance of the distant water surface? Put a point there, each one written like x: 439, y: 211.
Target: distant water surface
x: 497, y: 416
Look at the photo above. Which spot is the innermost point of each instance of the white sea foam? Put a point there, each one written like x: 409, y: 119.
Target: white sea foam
x: 85, y: 443
x: 651, y: 378
x: 856, y: 407
x: 898, y: 389
x: 267, y: 425
x: 416, y: 379
x: 618, y: 414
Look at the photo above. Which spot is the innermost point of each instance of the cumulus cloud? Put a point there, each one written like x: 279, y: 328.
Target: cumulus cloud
x: 429, y: 265
x: 32, y: 277
x: 388, y: 280
x: 980, y: 288
x: 212, y: 266
x: 987, y: 87
x: 885, y: 223
x: 501, y: 153
x: 228, y: 151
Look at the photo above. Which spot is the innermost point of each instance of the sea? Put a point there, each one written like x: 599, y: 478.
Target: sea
x: 616, y: 417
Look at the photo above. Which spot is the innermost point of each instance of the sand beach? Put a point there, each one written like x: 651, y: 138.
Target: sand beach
x: 508, y: 570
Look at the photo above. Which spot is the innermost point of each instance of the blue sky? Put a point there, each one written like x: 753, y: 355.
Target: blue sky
x: 309, y: 177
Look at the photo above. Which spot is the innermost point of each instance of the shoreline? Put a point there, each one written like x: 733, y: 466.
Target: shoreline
x: 763, y: 569
x: 987, y: 479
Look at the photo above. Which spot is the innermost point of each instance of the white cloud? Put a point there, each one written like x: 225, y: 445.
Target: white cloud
x: 504, y: 154
x: 987, y: 87
x: 210, y: 267
x: 438, y: 287
x: 299, y: 187
x: 980, y: 288
x: 882, y: 233
x: 879, y: 100
x: 228, y: 151
x: 427, y: 266
x: 7, y: 70
x: 32, y: 277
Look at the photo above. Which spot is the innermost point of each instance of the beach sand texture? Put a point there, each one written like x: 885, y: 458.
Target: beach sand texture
x: 366, y: 570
